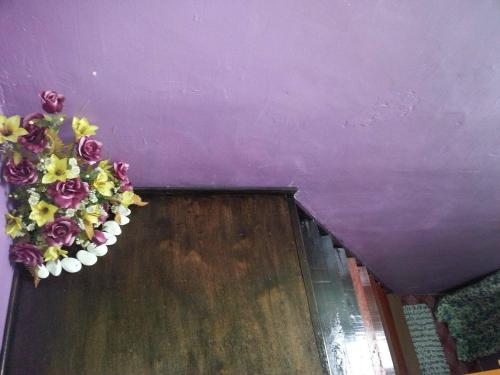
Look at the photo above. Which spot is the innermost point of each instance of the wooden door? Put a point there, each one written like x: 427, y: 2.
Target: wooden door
x: 197, y: 284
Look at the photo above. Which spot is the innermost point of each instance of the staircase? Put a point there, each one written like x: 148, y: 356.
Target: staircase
x: 348, y: 307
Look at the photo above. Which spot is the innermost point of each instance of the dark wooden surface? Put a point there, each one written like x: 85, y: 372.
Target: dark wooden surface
x: 197, y: 284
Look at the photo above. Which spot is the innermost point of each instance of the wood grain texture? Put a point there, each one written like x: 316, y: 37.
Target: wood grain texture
x: 409, y: 354
x: 197, y: 284
x: 389, y: 327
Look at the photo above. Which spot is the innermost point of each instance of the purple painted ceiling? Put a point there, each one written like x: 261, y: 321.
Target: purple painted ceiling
x: 385, y: 114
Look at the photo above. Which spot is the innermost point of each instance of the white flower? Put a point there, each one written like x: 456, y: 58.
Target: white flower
x: 34, y: 198
x: 30, y: 227
x: 70, y: 212
x: 72, y: 162
x: 120, y: 209
x: 75, y: 170
x: 80, y: 223
x: 123, y: 211
x: 82, y: 242
x: 124, y: 220
x: 92, y: 196
x: 18, y: 234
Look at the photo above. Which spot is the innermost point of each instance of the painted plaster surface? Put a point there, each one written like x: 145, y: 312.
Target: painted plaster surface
x: 385, y: 114
x: 5, y: 269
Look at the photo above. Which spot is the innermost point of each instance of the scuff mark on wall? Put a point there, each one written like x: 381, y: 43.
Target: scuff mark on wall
x: 398, y: 105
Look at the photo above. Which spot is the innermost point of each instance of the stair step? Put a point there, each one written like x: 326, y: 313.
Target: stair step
x: 341, y: 322
x: 312, y: 238
x: 346, y: 305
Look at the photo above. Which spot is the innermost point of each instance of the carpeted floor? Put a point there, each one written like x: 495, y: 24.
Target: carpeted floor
x: 426, y: 340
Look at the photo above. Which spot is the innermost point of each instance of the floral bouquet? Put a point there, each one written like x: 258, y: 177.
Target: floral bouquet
x: 67, y: 202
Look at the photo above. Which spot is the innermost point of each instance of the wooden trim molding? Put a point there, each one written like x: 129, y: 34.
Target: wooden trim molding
x: 172, y: 190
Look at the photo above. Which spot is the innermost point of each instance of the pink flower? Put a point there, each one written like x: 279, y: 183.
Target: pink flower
x: 89, y: 149
x: 35, y: 140
x: 23, y: 173
x: 99, y: 238
x: 61, y: 231
x: 52, y: 102
x: 25, y: 253
x: 120, y: 168
x: 102, y: 219
x: 69, y: 193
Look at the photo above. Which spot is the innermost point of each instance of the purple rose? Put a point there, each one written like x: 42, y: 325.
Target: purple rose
x: 125, y: 185
x: 99, y: 238
x: 61, y: 231
x: 22, y: 173
x: 52, y: 102
x: 35, y: 140
x: 69, y: 193
x: 89, y: 149
x: 120, y: 168
x: 25, y: 253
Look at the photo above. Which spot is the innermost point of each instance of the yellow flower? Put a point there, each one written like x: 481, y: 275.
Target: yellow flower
x: 92, y: 213
x: 102, y: 185
x: 10, y: 128
x: 13, y: 225
x: 105, y: 166
x: 42, y: 213
x: 82, y: 127
x: 90, y: 218
x: 53, y: 253
x: 127, y: 198
x: 57, y: 170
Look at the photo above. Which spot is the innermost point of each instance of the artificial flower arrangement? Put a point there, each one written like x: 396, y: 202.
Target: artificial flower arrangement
x: 68, y: 204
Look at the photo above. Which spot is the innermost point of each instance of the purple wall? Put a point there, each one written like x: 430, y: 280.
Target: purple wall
x: 5, y: 269
x: 385, y: 114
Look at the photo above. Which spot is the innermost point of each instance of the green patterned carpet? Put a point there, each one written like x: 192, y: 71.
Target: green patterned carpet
x: 425, y: 340
x: 473, y: 317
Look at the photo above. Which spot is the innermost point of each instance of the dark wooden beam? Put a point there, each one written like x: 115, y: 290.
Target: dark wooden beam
x: 9, y: 319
